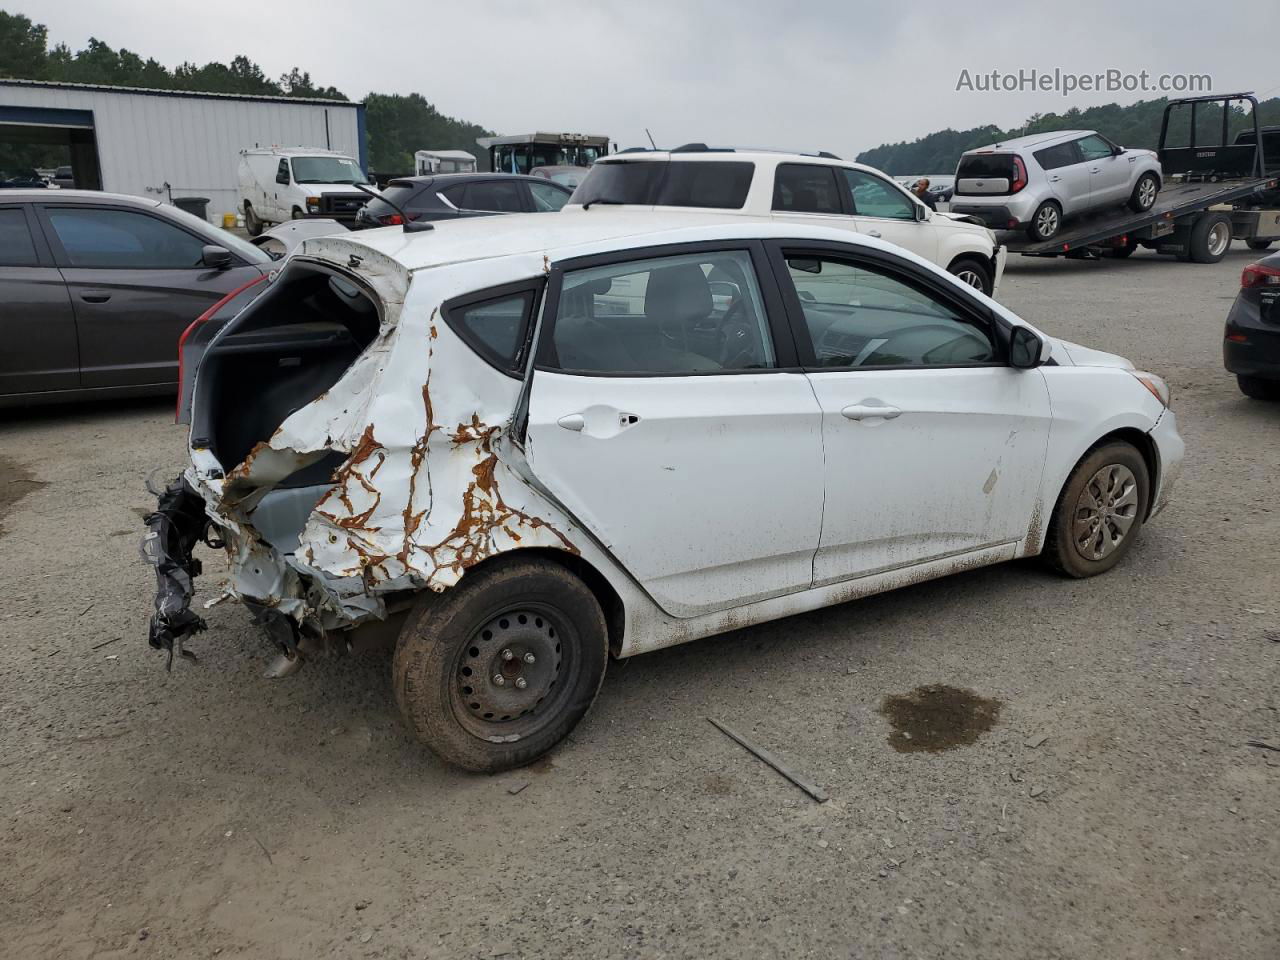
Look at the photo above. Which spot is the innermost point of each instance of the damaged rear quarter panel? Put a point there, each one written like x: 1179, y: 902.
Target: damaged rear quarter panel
x: 427, y: 489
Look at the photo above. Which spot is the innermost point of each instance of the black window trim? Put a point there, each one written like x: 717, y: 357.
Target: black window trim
x: 44, y: 257
x: 843, y: 195
x: 64, y: 262
x: 998, y: 329
x: 776, y: 317
x: 451, y: 310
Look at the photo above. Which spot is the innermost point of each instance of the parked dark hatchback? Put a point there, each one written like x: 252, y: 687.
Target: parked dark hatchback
x: 96, y: 289
x: 450, y: 195
x: 1251, y: 342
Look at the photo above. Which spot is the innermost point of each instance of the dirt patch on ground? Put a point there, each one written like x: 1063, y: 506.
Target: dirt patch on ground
x: 938, y: 717
x: 16, y: 481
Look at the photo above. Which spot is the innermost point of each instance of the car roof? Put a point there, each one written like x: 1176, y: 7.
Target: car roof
x: 448, y: 179
x: 1033, y: 140
x: 760, y: 156
x: 82, y: 196
x: 576, y: 232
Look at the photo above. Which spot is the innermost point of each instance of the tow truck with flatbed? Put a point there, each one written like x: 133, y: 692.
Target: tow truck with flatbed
x: 1211, y: 194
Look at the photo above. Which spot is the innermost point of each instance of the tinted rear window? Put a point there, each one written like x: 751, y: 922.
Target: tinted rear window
x: 16, y: 246
x: 398, y: 192
x: 722, y: 184
x: 985, y: 166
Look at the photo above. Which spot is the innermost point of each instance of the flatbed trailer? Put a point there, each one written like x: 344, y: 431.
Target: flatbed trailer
x: 1212, y: 194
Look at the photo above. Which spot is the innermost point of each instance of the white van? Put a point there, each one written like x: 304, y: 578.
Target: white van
x: 278, y: 184
x: 427, y: 163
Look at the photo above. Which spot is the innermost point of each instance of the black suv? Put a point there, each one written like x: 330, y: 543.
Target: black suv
x: 449, y: 195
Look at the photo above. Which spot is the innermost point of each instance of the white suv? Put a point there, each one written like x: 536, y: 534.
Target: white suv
x: 1036, y: 182
x: 801, y: 188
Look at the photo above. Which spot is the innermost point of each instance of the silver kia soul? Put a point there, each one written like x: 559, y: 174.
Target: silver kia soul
x: 1035, y: 182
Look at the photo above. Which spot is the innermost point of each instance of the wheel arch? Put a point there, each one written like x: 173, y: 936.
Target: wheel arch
x: 1135, y: 438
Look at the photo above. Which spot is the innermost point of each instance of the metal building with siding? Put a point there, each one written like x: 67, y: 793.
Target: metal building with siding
x: 165, y: 143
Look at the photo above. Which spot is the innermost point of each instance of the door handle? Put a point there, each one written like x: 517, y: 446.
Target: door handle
x: 1054, y: 179
x: 867, y: 411
x: 574, y: 421
x: 1094, y: 169
x: 95, y: 296
x: 874, y: 233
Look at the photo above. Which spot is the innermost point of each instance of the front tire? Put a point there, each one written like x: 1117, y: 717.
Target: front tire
x: 1144, y: 193
x: 1100, y: 511
x: 1259, y: 244
x: 973, y: 272
x: 1045, y: 222
x: 497, y: 670
x: 1258, y: 389
x: 296, y: 214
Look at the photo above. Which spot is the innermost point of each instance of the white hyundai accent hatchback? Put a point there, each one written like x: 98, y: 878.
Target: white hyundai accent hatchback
x: 551, y: 439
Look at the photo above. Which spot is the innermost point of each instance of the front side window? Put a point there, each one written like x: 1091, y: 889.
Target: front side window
x: 17, y: 249
x: 123, y: 238
x: 806, y: 188
x: 858, y: 316
x: 282, y: 172
x: 694, y: 313
x: 873, y: 197
x: 1093, y: 147
x: 546, y: 198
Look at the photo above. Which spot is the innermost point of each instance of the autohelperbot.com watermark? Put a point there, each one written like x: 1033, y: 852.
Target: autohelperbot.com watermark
x: 1067, y: 82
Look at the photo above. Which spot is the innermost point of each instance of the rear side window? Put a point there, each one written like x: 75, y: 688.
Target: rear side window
x: 806, y: 188
x: 17, y: 249
x: 494, y: 327
x: 122, y: 238
x: 720, y: 184
x: 1063, y: 155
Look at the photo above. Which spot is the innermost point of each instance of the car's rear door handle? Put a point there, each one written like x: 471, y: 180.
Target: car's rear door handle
x: 1094, y: 169
x: 95, y: 296
x: 873, y: 233
x: 869, y: 411
x: 574, y: 421
x: 1054, y: 179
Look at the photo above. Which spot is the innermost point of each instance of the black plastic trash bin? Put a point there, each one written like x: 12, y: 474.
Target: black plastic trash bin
x: 198, y: 206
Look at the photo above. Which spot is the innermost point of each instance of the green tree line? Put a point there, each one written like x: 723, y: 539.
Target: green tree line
x: 397, y: 125
x: 1136, y: 125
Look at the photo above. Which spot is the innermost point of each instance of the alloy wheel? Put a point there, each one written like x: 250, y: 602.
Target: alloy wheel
x: 1047, y: 221
x: 1147, y: 193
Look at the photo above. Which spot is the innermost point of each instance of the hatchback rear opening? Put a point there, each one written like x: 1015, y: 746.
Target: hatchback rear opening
x: 982, y: 174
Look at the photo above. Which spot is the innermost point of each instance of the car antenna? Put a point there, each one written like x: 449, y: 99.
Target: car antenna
x: 410, y: 225
x: 650, y: 136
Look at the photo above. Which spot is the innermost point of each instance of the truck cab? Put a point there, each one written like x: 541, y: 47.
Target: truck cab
x: 521, y: 152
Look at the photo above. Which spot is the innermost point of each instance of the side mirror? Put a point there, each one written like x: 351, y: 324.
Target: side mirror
x: 1117, y: 151
x: 219, y: 258
x: 282, y: 177
x: 922, y: 212
x: 1024, y: 348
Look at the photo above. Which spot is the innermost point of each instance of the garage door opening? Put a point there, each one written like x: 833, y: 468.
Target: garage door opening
x: 38, y: 144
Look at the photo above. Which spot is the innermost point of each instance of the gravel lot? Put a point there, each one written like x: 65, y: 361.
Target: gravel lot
x: 212, y: 812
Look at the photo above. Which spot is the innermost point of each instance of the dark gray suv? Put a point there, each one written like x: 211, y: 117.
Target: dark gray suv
x: 96, y: 289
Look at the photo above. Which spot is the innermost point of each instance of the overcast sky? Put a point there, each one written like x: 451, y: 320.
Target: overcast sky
x: 837, y: 75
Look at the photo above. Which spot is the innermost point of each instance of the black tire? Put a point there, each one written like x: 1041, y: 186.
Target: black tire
x: 1122, y: 253
x: 251, y: 222
x: 1259, y: 244
x: 456, y: 641
x: 1258, y: 389
x: 1205, y: 243
x: 1061, y: 550
x: 1044, y: 224
x: 974, y: 272
x: 296, y: 214
x: 1136, y: 202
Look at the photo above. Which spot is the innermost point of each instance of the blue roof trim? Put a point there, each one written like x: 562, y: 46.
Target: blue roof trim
x: 46, y: 116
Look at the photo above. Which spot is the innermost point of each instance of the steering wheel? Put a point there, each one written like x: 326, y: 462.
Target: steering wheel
x: 740, y: 344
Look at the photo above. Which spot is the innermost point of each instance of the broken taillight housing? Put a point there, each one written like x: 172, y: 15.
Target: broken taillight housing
x: 1259, y: 275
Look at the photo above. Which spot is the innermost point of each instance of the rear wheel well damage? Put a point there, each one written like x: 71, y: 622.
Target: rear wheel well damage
x: 595, y: 581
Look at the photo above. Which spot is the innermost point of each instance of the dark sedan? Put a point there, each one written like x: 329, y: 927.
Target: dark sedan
x: 96, y: 289
x: 451, y: 195
x: 1251, y: 344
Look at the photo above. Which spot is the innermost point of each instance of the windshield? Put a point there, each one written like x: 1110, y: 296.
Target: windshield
x: 327, y: 170
x: 722, y: 184
x: 523, y: 157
